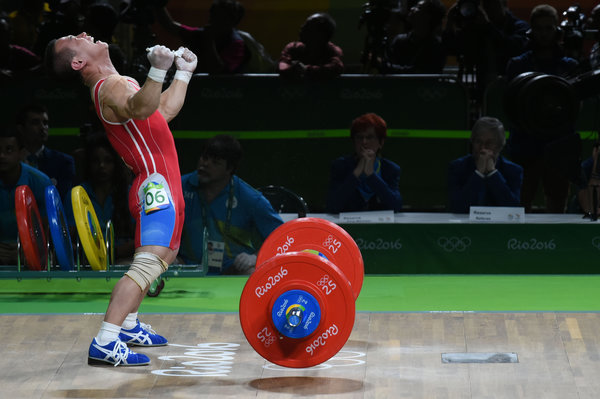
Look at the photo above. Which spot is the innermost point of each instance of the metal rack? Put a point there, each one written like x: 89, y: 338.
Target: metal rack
x: 81, y: 270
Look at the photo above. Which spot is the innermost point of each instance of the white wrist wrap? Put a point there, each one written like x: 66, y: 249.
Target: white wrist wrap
x: 158, y: 75
x: 184, y: 76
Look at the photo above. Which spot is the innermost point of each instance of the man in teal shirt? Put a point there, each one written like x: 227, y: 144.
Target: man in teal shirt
x: 226, y: 220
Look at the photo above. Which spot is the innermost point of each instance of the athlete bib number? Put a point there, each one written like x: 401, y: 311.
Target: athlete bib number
x: 155, y: 197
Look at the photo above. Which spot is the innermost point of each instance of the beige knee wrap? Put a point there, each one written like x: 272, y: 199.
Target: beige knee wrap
x: 145, y: 268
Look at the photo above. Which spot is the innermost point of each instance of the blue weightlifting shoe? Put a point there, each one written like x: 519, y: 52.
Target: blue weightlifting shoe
x: 142, y: 335
x: 116, y: 353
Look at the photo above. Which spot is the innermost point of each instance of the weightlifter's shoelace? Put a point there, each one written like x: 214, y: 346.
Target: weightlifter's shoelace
x: 147, y: 327
x: 120, y: 352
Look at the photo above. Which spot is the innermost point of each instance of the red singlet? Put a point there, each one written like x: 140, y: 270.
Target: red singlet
x: 147, y: 147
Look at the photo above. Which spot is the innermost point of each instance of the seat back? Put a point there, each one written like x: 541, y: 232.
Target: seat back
x: 284, y: 201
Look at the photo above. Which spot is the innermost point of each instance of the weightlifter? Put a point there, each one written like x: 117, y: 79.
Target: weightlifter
x: 135, y: 119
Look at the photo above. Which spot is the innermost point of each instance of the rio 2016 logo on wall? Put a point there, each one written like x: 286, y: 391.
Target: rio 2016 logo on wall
x: 532, y: 244
x: 378, y: 244
x: 454, y: 244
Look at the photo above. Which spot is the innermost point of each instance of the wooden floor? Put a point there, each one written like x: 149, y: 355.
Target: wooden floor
x: 388, y: 355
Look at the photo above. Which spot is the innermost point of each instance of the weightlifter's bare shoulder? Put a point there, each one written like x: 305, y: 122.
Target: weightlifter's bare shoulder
x: 113, y: 97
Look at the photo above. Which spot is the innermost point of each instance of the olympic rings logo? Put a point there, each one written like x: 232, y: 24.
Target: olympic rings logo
x: 328, y: 240
x: 341, y: 359
x: 332, y: 244
x: 596, y: 242
x: 214, y: 359
x: 361, y: 94
x: 432, y: 94
x: 451, y: 244
x: 323, y: 280
x: 222, y: 93
x: 266, y: 337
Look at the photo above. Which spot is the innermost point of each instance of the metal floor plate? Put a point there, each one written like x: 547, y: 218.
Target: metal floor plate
x: 490, y: 357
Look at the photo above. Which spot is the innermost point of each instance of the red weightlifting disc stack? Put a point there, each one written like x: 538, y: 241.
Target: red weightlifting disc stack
x: 297, y: 309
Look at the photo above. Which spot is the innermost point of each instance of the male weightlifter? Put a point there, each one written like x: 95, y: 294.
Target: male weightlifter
x: 135, y: 119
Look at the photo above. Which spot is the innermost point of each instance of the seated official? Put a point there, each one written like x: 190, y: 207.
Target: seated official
x: 233, y: 217
x: 365, y: 181
x: 484, y: 177
x: 14, y: 173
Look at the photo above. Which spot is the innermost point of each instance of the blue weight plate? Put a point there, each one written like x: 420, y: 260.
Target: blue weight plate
x: 59, y: 230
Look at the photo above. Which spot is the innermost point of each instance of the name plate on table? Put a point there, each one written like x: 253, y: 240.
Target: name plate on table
x: 497, y: 214
x: 367, y: 217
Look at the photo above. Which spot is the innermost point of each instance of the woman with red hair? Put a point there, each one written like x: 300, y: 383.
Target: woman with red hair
x: 365, y: 180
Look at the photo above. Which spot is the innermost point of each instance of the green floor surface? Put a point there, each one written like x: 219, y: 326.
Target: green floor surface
x: 398, y: 293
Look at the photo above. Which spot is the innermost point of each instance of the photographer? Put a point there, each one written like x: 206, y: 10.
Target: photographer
x: 314, y: 55
x: 527, y: 148
x: 220, y: 46
x: 572, y: 27
x: 378, y: 16
x: 483, y: 36
x: 593, y: 23
x: 419, y: 50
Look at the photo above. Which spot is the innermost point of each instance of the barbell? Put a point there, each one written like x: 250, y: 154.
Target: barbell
x: 297, y: 309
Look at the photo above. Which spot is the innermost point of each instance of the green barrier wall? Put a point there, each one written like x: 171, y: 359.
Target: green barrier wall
x: 478, y: 248
x: 268, y: 103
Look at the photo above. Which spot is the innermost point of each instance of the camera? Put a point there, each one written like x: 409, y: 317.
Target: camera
x: 136, y: 12
x: 572, y: 27
x: 375, y: 15
x: 573, y: 18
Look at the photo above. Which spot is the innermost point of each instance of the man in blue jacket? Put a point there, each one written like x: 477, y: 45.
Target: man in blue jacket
x: 484, y: 177
x: 32, y: 124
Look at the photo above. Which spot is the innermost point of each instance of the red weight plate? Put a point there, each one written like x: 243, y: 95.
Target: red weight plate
x: 31, y: 232
x: 297, y: 271
x: 318, y: 235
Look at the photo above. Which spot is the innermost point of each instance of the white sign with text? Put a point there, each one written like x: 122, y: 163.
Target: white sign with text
x: 367, y: 217
x: 497, y: 214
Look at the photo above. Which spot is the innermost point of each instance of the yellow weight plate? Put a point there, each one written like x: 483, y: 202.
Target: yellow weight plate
x: 88, y: 228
